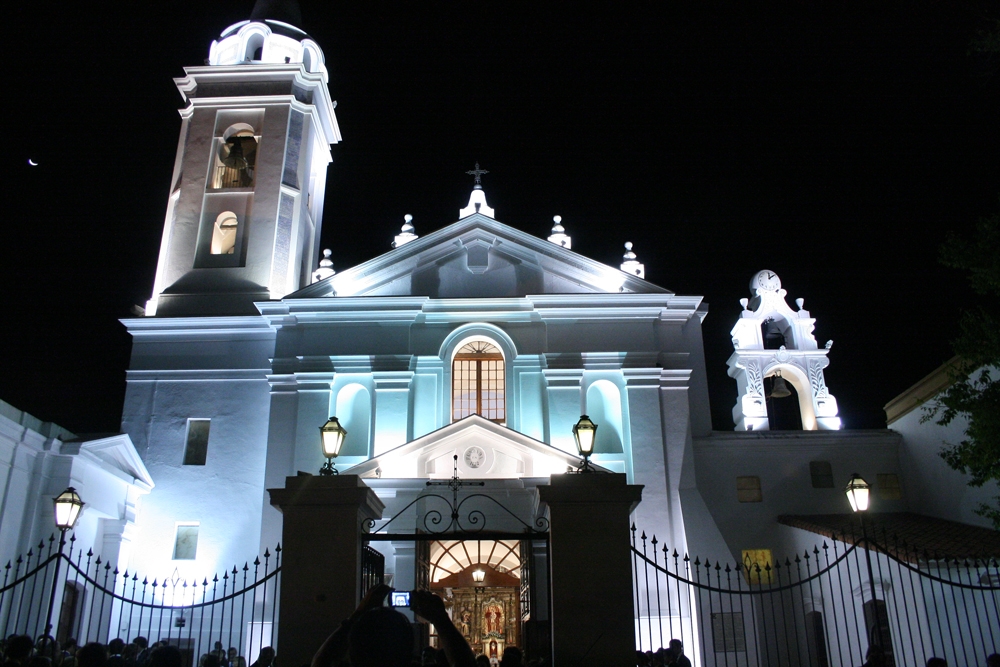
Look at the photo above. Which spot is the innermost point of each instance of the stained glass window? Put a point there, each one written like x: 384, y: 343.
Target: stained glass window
x: 477, y: 383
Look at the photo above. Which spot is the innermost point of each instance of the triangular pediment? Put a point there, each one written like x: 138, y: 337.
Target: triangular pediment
x: 117, y: 455
x: 485, y: 450
x: 478, y: 257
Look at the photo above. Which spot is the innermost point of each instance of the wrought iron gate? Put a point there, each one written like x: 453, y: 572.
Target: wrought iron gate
x: 817, y: 608
x: 92, y: 601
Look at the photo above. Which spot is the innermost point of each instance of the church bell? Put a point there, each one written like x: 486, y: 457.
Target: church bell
x: 779, y: 388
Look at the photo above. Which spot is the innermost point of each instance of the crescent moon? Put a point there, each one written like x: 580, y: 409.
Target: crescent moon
x: 32, y: 162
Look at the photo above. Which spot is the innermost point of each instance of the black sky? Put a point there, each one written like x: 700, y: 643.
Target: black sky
x: 834, y: 143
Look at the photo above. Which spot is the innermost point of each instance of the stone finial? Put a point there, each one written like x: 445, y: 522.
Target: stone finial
x: 559, y: 236
x: 406, y: 234
x: 630, y: 265
x: 325, y: 269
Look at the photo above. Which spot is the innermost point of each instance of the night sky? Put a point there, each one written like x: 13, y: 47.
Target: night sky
x: 834, y: 143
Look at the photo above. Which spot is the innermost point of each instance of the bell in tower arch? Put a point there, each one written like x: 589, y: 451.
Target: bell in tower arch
x: 772, y: 334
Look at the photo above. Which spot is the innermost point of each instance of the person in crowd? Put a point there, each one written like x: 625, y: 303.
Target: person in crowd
x: 142, y: 650
x: 234, y: 658
x: 209, y: 660
x: 676, y: 654
x: 19, y: 649
x: 937, y: 662
x: 264, y: 658
x: 378, y: 636
x: 92, y: 655
x: 115, y: 648
x: 482, y: 661
x: 993, y: 660
x: 512, y: 657
x: 220, y: 653
x: 165, y: 655
x: 69, y: 649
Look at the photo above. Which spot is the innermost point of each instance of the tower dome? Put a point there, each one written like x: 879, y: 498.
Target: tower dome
x: 270, y: 36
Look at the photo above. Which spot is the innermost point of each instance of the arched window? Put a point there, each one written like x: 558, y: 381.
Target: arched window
x: 477, y: 382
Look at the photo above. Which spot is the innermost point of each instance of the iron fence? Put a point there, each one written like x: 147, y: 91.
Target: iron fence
x: 80, y: 596
x: 820, y: 607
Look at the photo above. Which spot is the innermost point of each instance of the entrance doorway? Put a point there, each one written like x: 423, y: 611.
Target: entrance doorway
x: 480, y: 581
x: 495, y: 587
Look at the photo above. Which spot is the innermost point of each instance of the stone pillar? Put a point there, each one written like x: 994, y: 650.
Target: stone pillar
x: 321, y: 557
x: 592, y: 606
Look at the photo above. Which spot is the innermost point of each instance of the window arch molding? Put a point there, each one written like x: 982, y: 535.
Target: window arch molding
x: 468, y: 334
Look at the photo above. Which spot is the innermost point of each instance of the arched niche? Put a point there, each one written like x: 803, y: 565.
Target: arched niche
x: 354, y: 410
x: 224, y: 232
x: 797, y: 378
x: 604, y: 407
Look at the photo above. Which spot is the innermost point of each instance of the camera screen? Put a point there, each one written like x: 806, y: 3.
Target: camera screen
x: 400, y: 598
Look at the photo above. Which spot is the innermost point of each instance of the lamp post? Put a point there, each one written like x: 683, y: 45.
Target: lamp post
x: 584, y: 432
x: 858, y: 493
x: 332, y: 436
x: 67, y: 510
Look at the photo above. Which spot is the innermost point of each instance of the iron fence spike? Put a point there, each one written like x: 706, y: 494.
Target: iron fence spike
x: 267, y: 554
x: 90, y: 552
x: 145, y: 581
x: 676, y: 554
x: 72, y: 538
x: 98, y: 561
x: 788, y: 563
x: 643, y: 536
x: 155, y: 584
x: 697, y: 561
x: 216, y: 577
x: 717, y: 566
x: 8, y: 565
x: 727, y: 568
x: 277, y: 549
x: 633, y: 526
x: 52, y: 538
x: 654, y: 540
x: 799, y: 560
x: 19, y: 561
x: 686, y: 559
x: 256, y: 561
x: 30, y: 554
x: 135, y: 577
x: 246, y: 566
x: 41, y: 544
x: 205, y: 583
x: 107, y: 566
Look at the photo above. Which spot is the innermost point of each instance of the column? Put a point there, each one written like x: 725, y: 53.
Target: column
x: 321, y: 557
x: 592, y: 605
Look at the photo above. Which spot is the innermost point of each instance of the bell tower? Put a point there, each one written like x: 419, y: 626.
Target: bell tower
x: 771, y: 340
x: 245, y: 209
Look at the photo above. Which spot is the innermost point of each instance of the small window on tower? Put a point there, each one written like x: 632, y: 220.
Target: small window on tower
x: 196, y: 446
x: 186, y: 541
x: 888, y: 487
x: 748, y: 490
x: 822, y: 474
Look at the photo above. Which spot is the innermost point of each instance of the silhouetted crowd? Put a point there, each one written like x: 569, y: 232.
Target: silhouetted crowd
x: 23, y: 651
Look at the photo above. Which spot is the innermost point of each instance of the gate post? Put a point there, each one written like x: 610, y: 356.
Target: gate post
x: 592, y: 608
x: 320, y: 559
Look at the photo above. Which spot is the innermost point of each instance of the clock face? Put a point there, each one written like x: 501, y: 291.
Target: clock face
x: 474, y: 457
x: 767, y: 281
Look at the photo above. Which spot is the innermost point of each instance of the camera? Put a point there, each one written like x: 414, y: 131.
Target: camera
x: 399, y: 598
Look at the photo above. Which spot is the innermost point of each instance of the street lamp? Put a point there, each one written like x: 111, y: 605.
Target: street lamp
x: 858, y: 493
x: 332, y: 436
x: 584, y: 432
x: 67, y: 506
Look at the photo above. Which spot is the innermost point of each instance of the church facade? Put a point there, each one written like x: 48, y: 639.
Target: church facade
x: 468, y: 352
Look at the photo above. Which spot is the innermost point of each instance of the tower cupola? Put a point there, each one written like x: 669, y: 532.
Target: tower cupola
x: 271, y: 36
